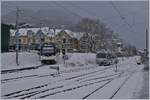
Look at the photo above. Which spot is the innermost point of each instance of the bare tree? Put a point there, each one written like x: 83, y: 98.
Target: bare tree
x: 96, y: 30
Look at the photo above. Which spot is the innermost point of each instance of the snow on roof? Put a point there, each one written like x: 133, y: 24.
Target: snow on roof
x: 22, y: 32
x: 47, y: 31
x: 141, y: 51
x: 78, y: 35
x: 12, y: 32
x: 70, y: 33
x: 34, y: 30
x: 51, y: 32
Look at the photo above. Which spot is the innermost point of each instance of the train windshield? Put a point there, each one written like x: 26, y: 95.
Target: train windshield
x: 101, y: 55
x: 48, y: 49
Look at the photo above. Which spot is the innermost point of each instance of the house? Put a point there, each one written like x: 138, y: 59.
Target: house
x: 30, y: 38
x: 66, y: 40
x: 25, y: 37
x: 84, y: 42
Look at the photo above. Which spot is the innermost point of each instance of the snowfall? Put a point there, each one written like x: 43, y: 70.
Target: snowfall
x: 79, y: 78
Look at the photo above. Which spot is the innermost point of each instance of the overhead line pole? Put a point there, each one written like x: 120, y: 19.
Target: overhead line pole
x: 146, y: 56
x: 147, y: 41
x: 40, y: 41
x: 16, y: 35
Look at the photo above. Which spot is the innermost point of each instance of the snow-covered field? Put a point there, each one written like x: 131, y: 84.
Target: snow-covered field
x: 26, y: 59
x: 80, y: 78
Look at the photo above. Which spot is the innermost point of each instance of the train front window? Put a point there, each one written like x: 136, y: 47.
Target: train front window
x: 48, y: 50
x: 101, y: 55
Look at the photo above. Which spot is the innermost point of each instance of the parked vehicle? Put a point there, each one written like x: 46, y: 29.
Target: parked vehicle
x: 49, y: 53
x: 105, y: 58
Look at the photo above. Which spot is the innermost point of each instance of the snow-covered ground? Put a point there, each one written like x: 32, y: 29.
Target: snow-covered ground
x: 80, y: 78
x: 26, y: 59
x: 29, y: 59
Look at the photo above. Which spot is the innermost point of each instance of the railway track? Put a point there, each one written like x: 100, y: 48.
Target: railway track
x: 117, y: 90
x: 10, y: 95
x: 84, y: 80
x: 80, y: 86
x: 123, y: 84
x: 63, y: 86
x: 21, y: 69
x: 46, y: 75
x: 17, y: 78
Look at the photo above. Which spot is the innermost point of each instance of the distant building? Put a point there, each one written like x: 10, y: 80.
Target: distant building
x: 67, y: 40
x: 30, y: 37
x: 85, y: 42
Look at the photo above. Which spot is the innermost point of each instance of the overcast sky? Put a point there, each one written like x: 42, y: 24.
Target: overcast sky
x: 127, y: 18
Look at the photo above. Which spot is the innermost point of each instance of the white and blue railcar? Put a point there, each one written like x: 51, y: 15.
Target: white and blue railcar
x: 49, y: 53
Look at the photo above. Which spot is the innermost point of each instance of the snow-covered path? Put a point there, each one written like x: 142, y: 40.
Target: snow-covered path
x: 86, y: 82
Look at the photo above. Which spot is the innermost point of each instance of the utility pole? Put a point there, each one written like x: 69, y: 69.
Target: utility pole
x: 16, y: 35
x: 147, y: 42
x: 147, y: 51
x: 40, y: 41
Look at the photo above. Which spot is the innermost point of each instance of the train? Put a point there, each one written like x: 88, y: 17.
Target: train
x: 105, y: 58
x: 49, y: 53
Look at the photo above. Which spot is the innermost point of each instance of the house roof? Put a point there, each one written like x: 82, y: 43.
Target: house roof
x: 76, y: 35
x: 23, y: 31
x: 46, y: 31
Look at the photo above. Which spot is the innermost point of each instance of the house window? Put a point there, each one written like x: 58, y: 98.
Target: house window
x: 42, y: 40
x: 33, y: 40
x: 70, y: 40
x: 19, y: 41
x: 64, y: 40
x: 24, y: 40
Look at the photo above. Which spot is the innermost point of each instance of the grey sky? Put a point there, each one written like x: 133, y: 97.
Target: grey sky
x: 136, y: 14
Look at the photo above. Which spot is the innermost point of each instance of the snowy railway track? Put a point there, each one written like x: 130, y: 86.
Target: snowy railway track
x: 30, y: 94
x: 63, y: 90
x: 16, y: 78
x: 73, y: 88
x: 71, y: 70
x: 123, y: 84
x: 11, y: 95
x: 21, y: 69
x: 37, y: 92
x: 52, y: 74
x: 117, y: 90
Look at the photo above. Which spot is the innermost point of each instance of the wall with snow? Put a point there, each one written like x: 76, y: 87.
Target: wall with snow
x: 26, y: 59
x: 81, y: 59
